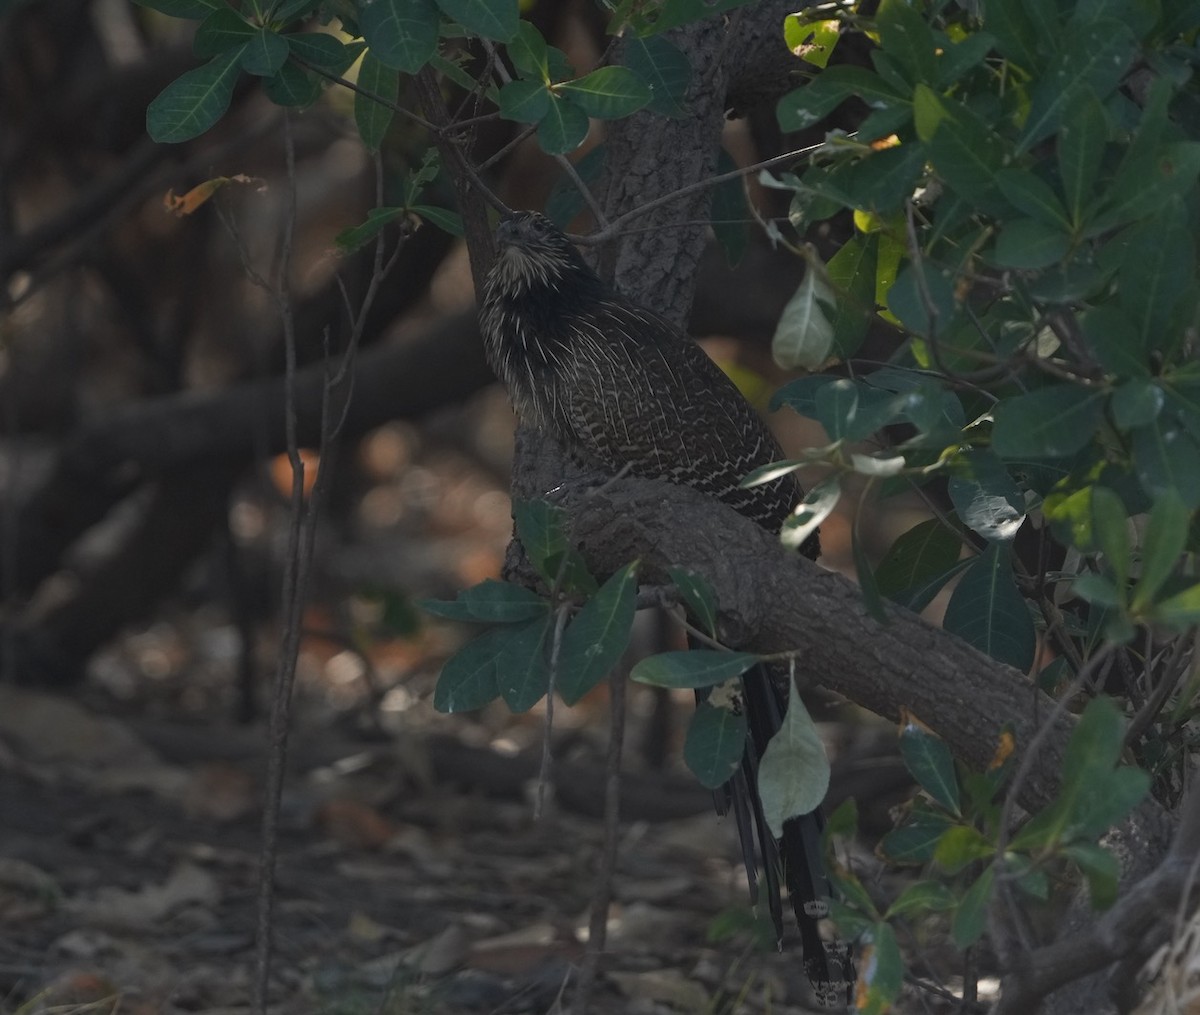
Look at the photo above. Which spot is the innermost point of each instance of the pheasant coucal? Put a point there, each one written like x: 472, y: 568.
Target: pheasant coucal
x: 620, y: 387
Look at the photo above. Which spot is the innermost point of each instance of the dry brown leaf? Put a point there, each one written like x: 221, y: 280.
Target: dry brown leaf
x: 185, y: 204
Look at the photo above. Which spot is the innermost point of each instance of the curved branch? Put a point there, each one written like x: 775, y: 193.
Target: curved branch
x: 1121, y: 931
x: 774, y: 601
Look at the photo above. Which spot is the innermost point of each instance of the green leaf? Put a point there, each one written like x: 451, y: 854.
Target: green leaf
x: 698, y: 597
x: 985, y: 496
x: 403, y: 34
x: 1095, y: 744
x: 447, y: 221
x: 955, y: 60
x: 793, y: 773
x: 800, y: 394
x: 542, y: 530
x: 852, y: 273
x: 353, y: 238
x: 971, y: 919
x: 193, y: 10
x: 695, y: 668
x: 715, y: 741
x: 963, y: 148
x: 931, y: 764
x: 193, y: 102
x: 1100, y: 868
x: 1080, y: 146
x: 221, y: 31
x: 910, y: 569
x: 1112, y: 336
x: 882, y: 181
x: 292, y: 86
x: 804, y: 335
x: 922, y: 898
x: 806, y: 106
x: 266, y: 52
x: 812, y: 510
x: 291, y: 10
x: 1029, y: 244
x: 1137, y: 403
x: 1031, y: 880
x: 1163, y: 540
x: 1053, y: 422
x: 1180, y: 610
x: 1032, y: 196
x: 490, y: 602
x: 905, y: 35
x: 528, y: 51
x: 881, y: 972
x: 922, y: 299
x: 916, y: 841
x: 522, y: 669
x: 1095, y: 58
x: 1158, y: 262
x: 373, y: 118
x: 608, y: 93
x: 1110, y: 523
x: 596, y: 639
x: 1146, y: 182
x: 1016, y: 37
x: 468, y: 679
x: 813, y: 41
x: 988, y: 612
x: 1099, y: 591
x: 961, y: 846
x: 492, y: 19
x: 664, y: 69
x: 564, y: 127
x: 1165, y: 460
x: 524, y: 101
x: 1139, y: 15
x: 1102, y: 800
x: 324, y: 51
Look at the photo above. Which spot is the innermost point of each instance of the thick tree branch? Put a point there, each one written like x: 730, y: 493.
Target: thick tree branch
x: 773, y: 601
x: 110, y: 457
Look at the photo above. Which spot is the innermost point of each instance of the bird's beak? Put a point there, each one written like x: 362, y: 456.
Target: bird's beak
x: 506, y: 232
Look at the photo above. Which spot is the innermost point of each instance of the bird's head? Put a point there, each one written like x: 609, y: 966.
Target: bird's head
x: 532, y: 254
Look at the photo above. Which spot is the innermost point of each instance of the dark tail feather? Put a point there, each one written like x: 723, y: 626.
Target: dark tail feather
x: 796, y: 857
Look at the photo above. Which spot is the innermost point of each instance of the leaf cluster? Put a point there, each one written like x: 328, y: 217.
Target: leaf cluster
x: 953, y: 832
x: 525, y: 653
x: 1024, y: 196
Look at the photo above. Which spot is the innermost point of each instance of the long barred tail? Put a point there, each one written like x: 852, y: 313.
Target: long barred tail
x: 794, y: 860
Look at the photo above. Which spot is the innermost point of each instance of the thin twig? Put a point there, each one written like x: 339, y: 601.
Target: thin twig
x: 1172, y: 673
x: 614, y: 227
x: 1094, y: 667
x: 507, y: 147
x: 366, y: 93
x: 285, y: 668
x: 560, y: 622
x: 585, y: 192
x: 302, y: 530
x: 598, y: 924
